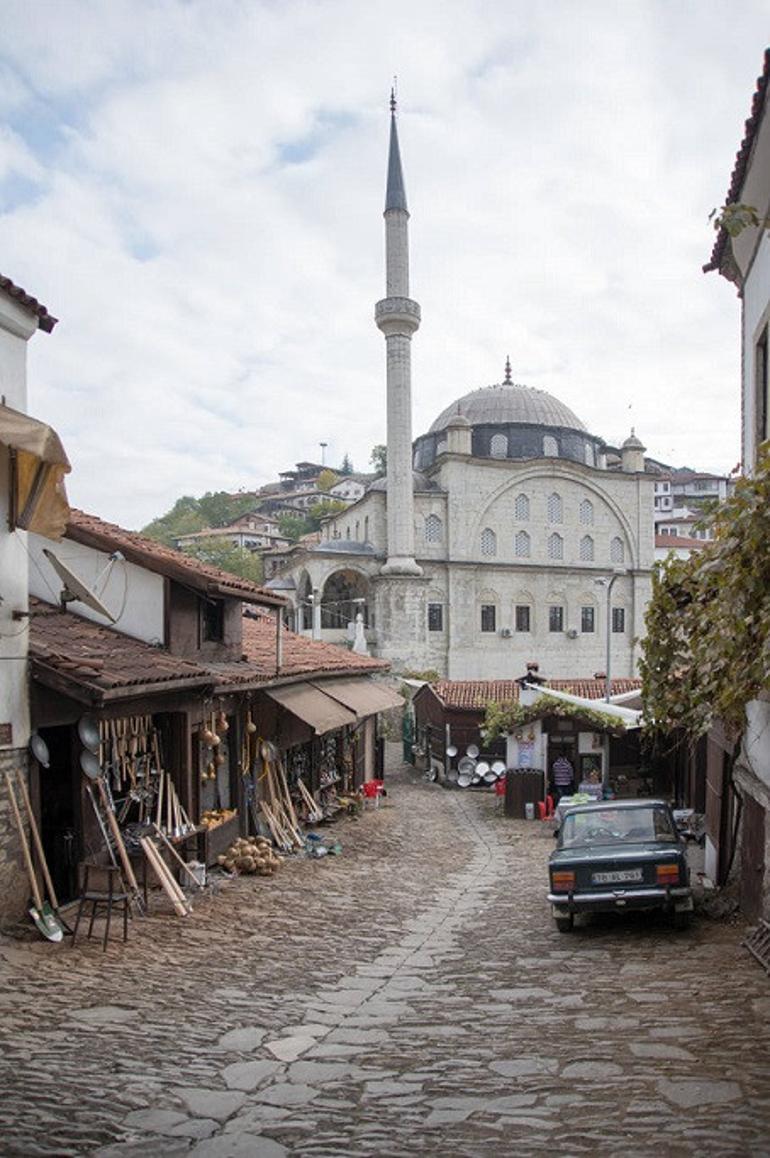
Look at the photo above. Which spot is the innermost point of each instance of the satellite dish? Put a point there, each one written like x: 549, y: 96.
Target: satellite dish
x: 75, y: 590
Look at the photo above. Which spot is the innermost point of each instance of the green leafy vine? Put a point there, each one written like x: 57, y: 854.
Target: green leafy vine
x: 706, y: 653
x: 506, y: 716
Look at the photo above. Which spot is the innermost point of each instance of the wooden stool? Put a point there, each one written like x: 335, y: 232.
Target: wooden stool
x: 113, y: 895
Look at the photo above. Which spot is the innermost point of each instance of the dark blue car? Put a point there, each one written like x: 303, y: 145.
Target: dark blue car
x: 614, y: 855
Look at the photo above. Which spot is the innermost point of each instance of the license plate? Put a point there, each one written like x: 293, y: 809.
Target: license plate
x: 624, y: 876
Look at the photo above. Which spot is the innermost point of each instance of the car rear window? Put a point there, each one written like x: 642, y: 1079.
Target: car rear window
x: 622, y: 825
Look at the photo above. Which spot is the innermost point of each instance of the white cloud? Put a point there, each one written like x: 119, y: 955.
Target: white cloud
x: 206, y: 221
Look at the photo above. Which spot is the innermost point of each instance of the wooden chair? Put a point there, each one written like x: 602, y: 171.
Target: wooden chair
x: 103, y: 896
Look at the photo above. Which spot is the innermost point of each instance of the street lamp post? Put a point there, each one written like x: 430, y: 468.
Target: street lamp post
x: 609, y: 584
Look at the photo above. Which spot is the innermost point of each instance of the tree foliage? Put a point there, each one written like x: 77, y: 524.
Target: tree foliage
x: 321, y: 509
x: 294, y: 526
x: 228, y: 557
x: 188, y: 514
x: 379, y: 458
x: 347, y: 465
x: 326, y: 480
x: 707, y: 649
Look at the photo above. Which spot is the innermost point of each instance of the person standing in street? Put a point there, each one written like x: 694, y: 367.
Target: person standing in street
x: 563, y: 777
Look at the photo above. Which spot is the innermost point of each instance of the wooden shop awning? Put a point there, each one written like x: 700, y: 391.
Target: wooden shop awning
x: 308, y: 703
x: 362, y: 696
x: 38, y: 466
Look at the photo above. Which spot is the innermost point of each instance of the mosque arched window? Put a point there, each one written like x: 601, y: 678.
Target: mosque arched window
x: 550, y: 446
x: 366, y: 528
x: 498, y: 446
x: 555, y: 546
x: 434, y: 529
x: 617, y: 551
x: 488, y: 542
x: 521, y: 508
x: 587, y: 513
x: 555, y: 514
x: 521, y: 545
x: 586, y: 549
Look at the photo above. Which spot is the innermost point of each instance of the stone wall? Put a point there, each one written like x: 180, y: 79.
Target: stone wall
x: 14, y: 883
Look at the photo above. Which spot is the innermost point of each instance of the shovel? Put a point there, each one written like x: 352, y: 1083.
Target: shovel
x: 41, y: 912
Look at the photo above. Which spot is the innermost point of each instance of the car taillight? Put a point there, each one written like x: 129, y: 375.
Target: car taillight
x: 668, y: 874
x: 563, y: 881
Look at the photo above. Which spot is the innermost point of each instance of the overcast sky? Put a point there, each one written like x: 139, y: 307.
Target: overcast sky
x: 196, y: 189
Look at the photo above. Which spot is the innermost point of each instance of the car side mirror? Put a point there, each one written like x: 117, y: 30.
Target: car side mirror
x: 556, y: 834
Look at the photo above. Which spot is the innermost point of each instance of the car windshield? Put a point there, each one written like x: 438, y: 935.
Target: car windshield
x: 622, y: 825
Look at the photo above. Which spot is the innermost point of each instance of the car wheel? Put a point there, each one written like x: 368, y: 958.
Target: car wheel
x: 682, y: 919
x: 565, y: 923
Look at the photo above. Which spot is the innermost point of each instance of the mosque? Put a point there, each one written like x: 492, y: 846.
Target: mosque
x: 507, y: 534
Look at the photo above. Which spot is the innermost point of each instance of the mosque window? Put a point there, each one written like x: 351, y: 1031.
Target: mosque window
x: 488, y: 542
x: 555, y: 547
x: 550, y: 446
x: 358, y: 528
x: 554, y: 508
x: 435, y: 617
x: 555, y: 618
x: 366, y: 528
x: 521, y: 508
x: 587, y: 619
x: 618, y: 619
x: 617, y: 551
x: 498, y: 446
x: 488, y: 617
x: 521, y: 545
x: 523, y: 617
x: 434, y: 529
x: 587, y: 513
x: 586, y: 549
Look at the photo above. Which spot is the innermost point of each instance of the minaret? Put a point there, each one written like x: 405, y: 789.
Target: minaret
x: 398, y: 317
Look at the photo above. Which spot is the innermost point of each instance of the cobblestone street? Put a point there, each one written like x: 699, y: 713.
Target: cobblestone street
x: 411, y: 996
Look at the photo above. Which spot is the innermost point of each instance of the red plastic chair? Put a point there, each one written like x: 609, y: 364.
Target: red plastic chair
x: 372, y: 790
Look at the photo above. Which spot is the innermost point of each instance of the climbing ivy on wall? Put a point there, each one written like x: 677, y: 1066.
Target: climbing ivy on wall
x: 707, y: 649
x: 506, y: 716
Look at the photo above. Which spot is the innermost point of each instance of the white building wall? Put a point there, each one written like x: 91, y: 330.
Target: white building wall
x: 16, y: 328
x: 756, y: 315
x: 134, y: 594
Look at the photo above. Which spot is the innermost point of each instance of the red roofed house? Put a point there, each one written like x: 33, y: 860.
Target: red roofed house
x: 156, y: 650
x: 449, y: 714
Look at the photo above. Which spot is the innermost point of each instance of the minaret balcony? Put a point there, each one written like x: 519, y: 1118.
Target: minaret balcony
x: 397, y: 316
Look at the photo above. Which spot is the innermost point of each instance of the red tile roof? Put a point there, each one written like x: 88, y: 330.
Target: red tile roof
x: 45, y: 320
x: 300, y: 655
x: 100, y: 659
x: 742, y: 159
x: 94, y: 532
x: 94, y: 661
x: 679, y: 541
x: 474, y: 695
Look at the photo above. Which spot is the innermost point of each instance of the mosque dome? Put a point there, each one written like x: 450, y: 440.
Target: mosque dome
x: 507, y: 404
x: 509, y: 421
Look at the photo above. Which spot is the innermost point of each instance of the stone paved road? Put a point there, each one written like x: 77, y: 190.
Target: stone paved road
x: 409, y: 997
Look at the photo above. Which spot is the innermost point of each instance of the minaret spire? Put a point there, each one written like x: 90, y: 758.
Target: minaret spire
x: 508, y: 381
x: 398, y: 317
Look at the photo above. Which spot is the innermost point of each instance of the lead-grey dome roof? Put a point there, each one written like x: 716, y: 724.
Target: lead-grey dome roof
x: 509, y: 403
